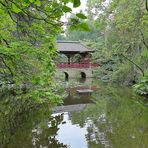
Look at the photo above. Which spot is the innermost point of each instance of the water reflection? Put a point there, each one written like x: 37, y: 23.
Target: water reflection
x: 117, y: 119
x: 70, y: 133
x: 46, y: 137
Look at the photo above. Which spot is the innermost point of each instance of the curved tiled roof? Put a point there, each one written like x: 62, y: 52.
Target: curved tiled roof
x: 71, y: 46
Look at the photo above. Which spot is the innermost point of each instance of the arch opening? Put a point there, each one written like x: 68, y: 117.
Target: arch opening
x: 83, y: 75
x: 66, y: 76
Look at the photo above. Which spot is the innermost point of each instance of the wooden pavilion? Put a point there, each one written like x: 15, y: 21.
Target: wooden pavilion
x: 72, y: 48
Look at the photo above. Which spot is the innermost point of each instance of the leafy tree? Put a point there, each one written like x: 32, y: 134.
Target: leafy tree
x: 28, y: 33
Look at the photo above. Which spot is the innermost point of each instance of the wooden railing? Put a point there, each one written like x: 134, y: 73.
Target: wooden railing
x: 77, y: 65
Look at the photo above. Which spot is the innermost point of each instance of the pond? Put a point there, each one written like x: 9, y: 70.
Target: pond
x: 109, y: 117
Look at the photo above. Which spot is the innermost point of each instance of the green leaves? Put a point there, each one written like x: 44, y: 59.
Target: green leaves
x: 37, y: 2
x: 31, y: 1
x: 81, y: 16
x: 142, y: 87
x: 28, y: 42
x: 15, y: 8
x: 76, y: 3
x: 77, y: 25
x: 84, y: 27
x: 81, y: 26
x: 26, y: 3
x: 66, y: 9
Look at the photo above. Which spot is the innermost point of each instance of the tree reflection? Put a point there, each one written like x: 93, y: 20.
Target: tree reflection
x: 46, y: 137
x: 115, y: 120
x: 22, y: 126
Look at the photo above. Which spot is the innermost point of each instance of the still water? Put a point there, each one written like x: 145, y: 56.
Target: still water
x: 109, y: 117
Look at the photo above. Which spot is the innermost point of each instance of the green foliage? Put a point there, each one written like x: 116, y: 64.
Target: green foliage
x: 15, y: 111
x: 66, y: 9
x: 76, y: 24
x: 84, y: 27
x: 124, y: 75
x: 143, y: 59
x: 80, y: 15
x: 142, y: 87
x: 28, y: 33
x: 76, y: 3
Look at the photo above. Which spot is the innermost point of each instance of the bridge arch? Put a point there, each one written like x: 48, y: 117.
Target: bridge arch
x: 83, y: 75
x: 66, y: 76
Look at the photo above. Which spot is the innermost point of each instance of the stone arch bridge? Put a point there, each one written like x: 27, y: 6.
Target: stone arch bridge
x: 75, y: 71
x: 73, y: 66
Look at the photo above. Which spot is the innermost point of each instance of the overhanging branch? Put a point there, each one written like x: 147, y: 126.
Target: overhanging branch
x: 143, y: 39
x: 142, y: 71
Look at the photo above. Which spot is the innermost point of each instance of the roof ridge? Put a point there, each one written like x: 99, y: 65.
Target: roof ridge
x: 72, y: 46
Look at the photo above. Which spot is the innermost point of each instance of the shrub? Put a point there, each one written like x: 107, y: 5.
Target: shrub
x: 142, y: 87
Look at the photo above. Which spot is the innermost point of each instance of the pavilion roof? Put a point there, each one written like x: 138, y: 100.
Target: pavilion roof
x: 72, y: 46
